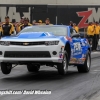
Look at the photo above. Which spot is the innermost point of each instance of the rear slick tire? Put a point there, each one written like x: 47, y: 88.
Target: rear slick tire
x: 33, y: 68
x: 87, y: 64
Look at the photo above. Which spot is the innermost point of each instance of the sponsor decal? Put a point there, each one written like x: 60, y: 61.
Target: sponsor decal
x: 77, y: 49
x: 78, y: 53
x: 83, y: 55
x: 72, y: 52
x: 77, y: 61
x: 68, y: 38
x: 83, y: 44
x: 73, y: 59
x: 60, y: 55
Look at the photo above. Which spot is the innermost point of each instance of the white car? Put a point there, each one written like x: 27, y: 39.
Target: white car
x: 43, y: 45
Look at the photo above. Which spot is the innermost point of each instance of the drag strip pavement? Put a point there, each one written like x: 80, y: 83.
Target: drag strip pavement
x: 73, y: 86
x: 95, y: 55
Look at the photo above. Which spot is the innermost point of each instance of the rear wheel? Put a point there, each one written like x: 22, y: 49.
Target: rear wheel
x: 63, y: 67
x: 33, y: 68
x: 87, y: 64
x: 6, y: 68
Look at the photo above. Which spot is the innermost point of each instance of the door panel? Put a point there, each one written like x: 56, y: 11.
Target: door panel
x: 77, y: 48
x: 76, y: 51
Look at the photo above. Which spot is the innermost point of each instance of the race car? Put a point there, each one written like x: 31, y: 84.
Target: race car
x: 56, y: 46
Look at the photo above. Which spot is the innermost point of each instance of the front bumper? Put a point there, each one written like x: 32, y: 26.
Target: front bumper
x: 52, y: 59
x: 30, y: 49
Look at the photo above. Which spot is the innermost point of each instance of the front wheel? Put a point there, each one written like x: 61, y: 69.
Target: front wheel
x: 63, y: 67
x: 87, y: 64
x: 6, y: 68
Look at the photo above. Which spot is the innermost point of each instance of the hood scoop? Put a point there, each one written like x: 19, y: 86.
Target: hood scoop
x: 32, y: 35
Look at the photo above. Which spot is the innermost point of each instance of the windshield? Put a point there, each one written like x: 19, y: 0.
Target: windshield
x: 61, y: 31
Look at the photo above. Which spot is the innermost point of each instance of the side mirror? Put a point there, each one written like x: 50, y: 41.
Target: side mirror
x: 75, y: 35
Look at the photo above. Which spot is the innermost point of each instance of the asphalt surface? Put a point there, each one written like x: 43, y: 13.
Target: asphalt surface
x: 73, y: 86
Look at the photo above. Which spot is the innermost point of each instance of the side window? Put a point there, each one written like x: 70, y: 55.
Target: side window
x: 74, y: 34
x: 72, y: 31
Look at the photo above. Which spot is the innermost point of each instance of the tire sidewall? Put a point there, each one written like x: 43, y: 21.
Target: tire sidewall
x: 66, y: 57
x: 85, y: 64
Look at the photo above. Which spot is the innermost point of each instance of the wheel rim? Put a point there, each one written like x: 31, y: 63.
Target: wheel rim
x: 64, y: 64
x: 88, y: 62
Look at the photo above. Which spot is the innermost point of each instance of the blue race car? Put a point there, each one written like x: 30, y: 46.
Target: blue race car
x: 51, y: 45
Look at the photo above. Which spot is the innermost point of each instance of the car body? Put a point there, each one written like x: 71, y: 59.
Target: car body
x: 44, y: 45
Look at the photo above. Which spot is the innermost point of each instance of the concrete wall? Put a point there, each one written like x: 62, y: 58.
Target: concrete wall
x: 53, y: 2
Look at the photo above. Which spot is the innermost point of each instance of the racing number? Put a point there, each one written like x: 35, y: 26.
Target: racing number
x: 77, y: 47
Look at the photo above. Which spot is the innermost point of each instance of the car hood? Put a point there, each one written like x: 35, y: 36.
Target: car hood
x: 32, y: 36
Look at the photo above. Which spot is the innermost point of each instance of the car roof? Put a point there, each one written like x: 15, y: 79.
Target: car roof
x: 49, y: 26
